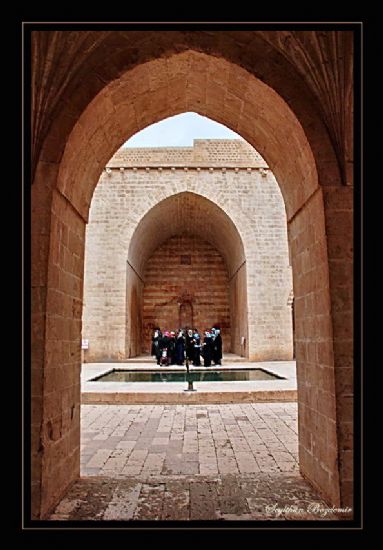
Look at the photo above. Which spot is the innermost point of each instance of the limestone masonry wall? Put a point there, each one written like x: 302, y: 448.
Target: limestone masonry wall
x: 204, y: 153
x: 234, y: 178
x: 186, y: 284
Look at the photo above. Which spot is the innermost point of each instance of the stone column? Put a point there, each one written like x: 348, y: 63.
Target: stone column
x: 338, y: 203
x: 321, y: 237
x: 318, y: 449
x: 41, y: 197
x: 58, y: 259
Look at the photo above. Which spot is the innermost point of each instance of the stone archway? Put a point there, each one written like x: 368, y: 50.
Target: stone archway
x: 185, y: 295
x: 228, y: 174
x: 206, y: 230
x: 93, y: 122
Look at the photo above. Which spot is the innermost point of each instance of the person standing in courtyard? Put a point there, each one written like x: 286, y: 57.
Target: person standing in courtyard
x: 172, y: 347
x: 207, y: 349
x: 165, y: 345
x: 217, y: 346
x: 180, y: 348
x: 155, y: 351
x: 197, y: 348
x: 189, y: 345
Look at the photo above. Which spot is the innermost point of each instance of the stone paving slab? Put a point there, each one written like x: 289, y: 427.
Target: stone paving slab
x: 190, y: 462
x: 188, y: 498
x: 245, y: 438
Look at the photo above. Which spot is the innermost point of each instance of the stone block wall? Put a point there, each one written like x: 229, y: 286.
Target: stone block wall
x: 186, y: 283
x: 134, y: 312
x: 317, y: 418
x: 236, y: 179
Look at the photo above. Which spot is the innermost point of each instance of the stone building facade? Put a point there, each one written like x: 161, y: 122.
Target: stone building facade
x: 188, y: 236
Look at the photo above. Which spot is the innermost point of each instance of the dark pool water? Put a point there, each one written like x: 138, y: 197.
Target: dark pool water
x: 196, y: 376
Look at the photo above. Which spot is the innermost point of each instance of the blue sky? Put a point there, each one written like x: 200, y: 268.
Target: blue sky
x: 180, y: 130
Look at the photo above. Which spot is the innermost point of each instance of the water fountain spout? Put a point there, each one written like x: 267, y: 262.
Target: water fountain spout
x: 188, y: 377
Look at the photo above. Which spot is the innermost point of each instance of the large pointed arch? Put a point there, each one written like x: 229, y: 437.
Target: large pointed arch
x: 189, y: 214
x: 214, y: 88
x: 186, y: 213
x: 78, y: 127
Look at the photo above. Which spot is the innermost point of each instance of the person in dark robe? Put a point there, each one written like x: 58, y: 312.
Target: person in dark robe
x: 217, y: 347
x: 165, y: 344
x: 207, y: 349
x: 172, y: 346
x: 155, y: 351
x: 180, y: 348
x: 197, y: 348
x: 189, y: 345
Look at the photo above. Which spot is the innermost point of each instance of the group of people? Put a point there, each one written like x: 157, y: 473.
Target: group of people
x: 186, y: 343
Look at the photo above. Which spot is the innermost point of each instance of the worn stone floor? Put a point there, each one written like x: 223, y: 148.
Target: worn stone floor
x: 190, y: 462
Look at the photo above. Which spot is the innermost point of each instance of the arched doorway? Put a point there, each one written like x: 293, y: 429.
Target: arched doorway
x: 185, y: 313
x: 178, y: 295
x: 187, y: 252
x: 301, y: 155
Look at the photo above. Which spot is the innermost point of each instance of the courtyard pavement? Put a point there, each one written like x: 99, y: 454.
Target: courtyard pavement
x: 190, y: 462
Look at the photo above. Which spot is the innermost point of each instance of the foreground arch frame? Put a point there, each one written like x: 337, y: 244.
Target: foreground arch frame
x: 71, y: 148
